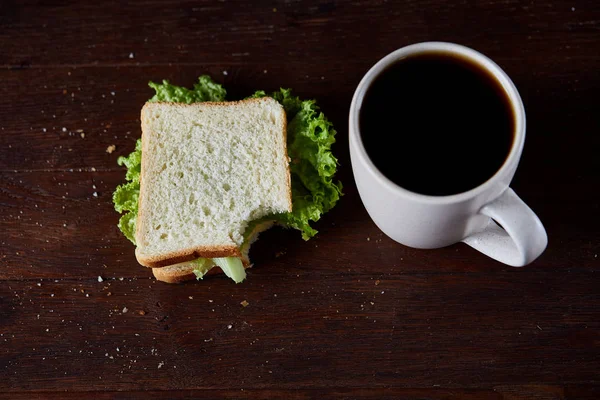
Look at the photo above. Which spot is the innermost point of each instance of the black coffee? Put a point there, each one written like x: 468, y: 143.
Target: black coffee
x: 437, y: 124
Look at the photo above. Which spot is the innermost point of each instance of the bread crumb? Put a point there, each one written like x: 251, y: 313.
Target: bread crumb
x: 245, y: 303
x: 368, y: 239
x: 95, y: 194
x: 109, y: 294
x: 131, y: 56
x: 110, y: 148
x: 125, y: 309
x: 82, y: 135
x: 191, y: 297
x: 100, y: 279
x: 64, y: 129
x: 142, y: 312
x: 225, y: 73
x: 229, y: 326
x: 377, y: 282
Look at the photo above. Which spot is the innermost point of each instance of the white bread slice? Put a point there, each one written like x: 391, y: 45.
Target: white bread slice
x: 185, y: 271
x: 207, y: 170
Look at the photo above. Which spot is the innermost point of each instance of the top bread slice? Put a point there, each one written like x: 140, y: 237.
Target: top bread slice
x: 207, y: 170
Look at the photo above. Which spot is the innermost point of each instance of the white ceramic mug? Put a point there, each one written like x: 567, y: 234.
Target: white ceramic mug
x: 427, y: 222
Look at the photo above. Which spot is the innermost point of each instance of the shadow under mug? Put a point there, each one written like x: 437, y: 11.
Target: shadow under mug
x: 491, y: 218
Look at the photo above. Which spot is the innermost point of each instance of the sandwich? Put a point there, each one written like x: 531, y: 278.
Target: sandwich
x: 208, y: 176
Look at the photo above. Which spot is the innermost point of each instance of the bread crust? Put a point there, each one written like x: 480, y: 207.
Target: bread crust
x: 287, y: 163
x: 193, y: 253
x: 189, y: 254
x: 178, y: 275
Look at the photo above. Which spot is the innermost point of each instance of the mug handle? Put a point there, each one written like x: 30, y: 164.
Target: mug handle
x: 519, y: 240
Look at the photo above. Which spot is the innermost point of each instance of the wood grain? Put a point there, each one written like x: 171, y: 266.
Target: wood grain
x: 533, y: 392
x: 242, y: 33
x: 465, y: 331
x: 348, y: 315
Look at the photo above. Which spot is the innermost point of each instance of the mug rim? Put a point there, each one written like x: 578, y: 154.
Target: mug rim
x: 472, y: 55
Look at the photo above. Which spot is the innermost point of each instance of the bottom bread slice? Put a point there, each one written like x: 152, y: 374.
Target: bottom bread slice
x: 185, y: 271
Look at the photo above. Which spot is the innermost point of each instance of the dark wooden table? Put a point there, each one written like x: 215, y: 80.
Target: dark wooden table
x: 350, y: 314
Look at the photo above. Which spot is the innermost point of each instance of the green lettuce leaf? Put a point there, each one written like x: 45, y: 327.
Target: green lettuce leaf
x: 232, y: 267
x: 205, y: 90
x: 202, y: 266
x: 125, y: 197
